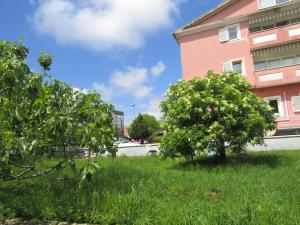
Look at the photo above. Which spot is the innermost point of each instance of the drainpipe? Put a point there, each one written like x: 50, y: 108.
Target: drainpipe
x: 286, y: 108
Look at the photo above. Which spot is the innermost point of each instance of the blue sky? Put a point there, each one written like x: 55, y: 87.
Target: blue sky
x: 123, y: 49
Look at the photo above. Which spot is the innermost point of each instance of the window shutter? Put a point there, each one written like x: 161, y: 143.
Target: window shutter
x: 296, y: 103
x: 223, y: 34
x: 227, y: 66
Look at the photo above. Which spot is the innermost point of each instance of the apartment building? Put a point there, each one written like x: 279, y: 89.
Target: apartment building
x: 118, y: 121
x: 259, y: 39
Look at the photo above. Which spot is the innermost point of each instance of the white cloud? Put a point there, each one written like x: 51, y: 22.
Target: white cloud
x: 133, y: 81
x: 102, y: 25
x: 153, y: 107
x: 106, y: 92
x: 158, y: 69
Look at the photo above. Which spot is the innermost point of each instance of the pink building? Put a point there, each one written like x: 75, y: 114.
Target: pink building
x: 258, y: 38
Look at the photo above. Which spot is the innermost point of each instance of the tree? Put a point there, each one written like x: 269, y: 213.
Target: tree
x: 143, y: 127
x: 217, y: 113
x: 40, y: 115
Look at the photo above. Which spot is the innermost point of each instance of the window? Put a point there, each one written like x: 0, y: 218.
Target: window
x: 260, y: 65
x: 274, y: 63
x: 295, y: 20
x: 282, y: 23
x: 273, y: 25
x: 281, y: 1
x: 268, y: 26
x: 235, y: 65
x: 230, y: 33
x: 254, y: 29
x: 266, y: 3
x: 297, y: 60
x: 233, y: 33
x: 269, y: 3
x: 276, y: 104
x: 288, y: 61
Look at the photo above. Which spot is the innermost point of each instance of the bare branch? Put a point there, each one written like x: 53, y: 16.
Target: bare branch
x: 36, y: 173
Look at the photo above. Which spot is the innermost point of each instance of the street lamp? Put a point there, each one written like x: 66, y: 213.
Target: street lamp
x: 133, y: 105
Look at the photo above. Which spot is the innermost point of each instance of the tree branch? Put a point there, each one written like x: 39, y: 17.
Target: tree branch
x: 36, y: 173
x: 21, y: 166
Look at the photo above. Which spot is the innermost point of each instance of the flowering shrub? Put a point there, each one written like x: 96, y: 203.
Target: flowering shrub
x: 217, y: 113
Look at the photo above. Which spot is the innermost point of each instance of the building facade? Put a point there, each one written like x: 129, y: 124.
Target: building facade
x: 259, y: 39
x: 118, y: 121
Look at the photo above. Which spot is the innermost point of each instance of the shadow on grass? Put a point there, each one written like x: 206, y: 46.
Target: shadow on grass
x: 234, y: 161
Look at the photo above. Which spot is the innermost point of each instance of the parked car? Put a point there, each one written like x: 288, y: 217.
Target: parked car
x: 123, y: 142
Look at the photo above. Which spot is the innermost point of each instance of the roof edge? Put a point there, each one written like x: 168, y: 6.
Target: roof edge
x: 207, y: 14
x: 187, y: 30
x: 181, y: 33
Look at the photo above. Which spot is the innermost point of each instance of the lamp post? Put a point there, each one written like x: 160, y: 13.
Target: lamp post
x: 133, y: 105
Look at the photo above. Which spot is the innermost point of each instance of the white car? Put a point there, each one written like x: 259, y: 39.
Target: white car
x: 128, y: 144
x: 122, y: 142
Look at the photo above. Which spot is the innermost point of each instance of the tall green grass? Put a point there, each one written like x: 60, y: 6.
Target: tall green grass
x: 257, y: 188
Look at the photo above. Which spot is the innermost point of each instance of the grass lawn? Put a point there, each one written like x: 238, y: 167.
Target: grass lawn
x: 257, y: 188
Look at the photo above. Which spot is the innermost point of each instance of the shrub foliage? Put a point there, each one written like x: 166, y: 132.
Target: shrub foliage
x: 217, y: 113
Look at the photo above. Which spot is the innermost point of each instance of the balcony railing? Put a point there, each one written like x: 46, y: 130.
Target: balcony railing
x: 274, y: 36
x: 277, y: 76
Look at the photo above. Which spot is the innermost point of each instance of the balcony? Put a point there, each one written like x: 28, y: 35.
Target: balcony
x: 274, y: 36
x: 277, y: 76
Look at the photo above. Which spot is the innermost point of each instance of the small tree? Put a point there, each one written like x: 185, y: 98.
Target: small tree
x: 40, y: 115
x: 216, y: 113
x: 143, y: 127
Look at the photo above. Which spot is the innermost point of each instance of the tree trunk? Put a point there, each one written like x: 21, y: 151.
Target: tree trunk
x: 221, y: 149
x: 142, y: 140
x: 221, y: 152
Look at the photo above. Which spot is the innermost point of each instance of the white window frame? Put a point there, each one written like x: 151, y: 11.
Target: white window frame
x: 274, y: 4
x: 231, y: 66
x: 293, y: 97
x: 280, y: 104
x: 224, y: 33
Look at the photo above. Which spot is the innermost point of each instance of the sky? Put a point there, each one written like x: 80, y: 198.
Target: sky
x: 123, y: 49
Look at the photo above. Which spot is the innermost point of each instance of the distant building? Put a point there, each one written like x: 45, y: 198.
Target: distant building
x: 126, y: 132
x: 118, y: 120
x: 260, y: 39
